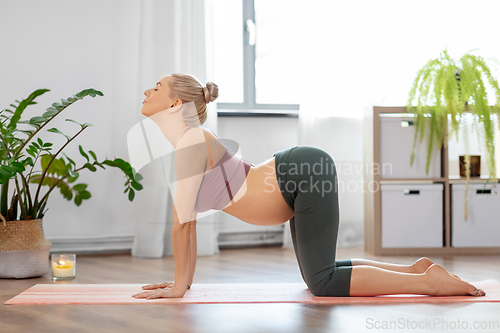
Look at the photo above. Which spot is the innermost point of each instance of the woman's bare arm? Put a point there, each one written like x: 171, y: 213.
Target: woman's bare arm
x: 181, y: 243
x: 190, y: 161
x: 193, y: 252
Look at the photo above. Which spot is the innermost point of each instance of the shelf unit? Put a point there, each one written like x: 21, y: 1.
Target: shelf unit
x: 372, y: 195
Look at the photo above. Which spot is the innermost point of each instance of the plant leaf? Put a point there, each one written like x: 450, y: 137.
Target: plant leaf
x: 72, y: 174
x: 49, y: 114
x: 138, y: 177
x: 72, y: 179
x: 44, y: 160
x: 59, y: 166
x: 69, y: 159
x: 28, y: 133
x: 22, y: 106
x: 27, y: 161
x: 74, y: 121
x: 85, y: 195
x: 55, y: 130
x: 110, y: 163
x: 53, y: 169
x: 30, y: 152
x: 80, y: 187
x: 136, y: 186
x: 90, y: 167
x: 99, y: 164
x: 58, y: 106
x: 37, y: 120
x: 86, y: 92
x: 66, y: 192
x: 6, y: 173
x: 93, y: 155
x: 9, y: 169
x: 83, y: 153
x: 19, y: 167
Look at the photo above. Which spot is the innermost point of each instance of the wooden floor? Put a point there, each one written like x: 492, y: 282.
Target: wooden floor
x: 253, y: 265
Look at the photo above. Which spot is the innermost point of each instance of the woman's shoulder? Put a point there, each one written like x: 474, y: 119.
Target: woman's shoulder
x: 193, y: 136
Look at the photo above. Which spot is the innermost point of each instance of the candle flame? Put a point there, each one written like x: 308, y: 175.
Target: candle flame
x: 64, y: 264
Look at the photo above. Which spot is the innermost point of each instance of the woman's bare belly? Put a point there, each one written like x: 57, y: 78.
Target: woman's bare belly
x: 259, y: 201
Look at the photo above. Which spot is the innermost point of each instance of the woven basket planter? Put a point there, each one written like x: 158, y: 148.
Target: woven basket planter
x: 24, y: 250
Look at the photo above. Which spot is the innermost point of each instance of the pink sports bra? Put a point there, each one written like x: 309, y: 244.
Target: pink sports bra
x: 223, y: 181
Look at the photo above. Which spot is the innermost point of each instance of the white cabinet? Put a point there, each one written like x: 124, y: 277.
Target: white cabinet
x: 412, y: 215
x: 396, y: 144
x: 482, y: 227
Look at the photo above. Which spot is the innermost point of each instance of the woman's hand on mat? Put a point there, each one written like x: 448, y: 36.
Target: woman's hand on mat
x: 170, y: 292
x: 167, y: 284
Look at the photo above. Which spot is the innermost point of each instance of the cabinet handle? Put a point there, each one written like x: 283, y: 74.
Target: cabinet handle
x: 411, y: 192
x: 483, y: 191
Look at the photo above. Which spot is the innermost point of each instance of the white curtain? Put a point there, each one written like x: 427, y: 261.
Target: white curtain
x: 172, y: 39
x: 342, y: 138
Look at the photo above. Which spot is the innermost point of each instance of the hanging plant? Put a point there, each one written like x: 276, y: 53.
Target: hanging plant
x: 444, y: 90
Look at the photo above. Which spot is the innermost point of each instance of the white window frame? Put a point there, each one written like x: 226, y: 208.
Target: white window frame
x: 249, y: 106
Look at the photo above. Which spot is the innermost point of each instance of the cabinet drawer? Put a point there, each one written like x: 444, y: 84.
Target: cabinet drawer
x: 412, y: 215
x: 396, y: 144
x: 482, y: 228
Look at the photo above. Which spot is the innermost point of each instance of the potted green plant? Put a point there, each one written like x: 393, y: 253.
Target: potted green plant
x: 23, y: 247
x: 444, y: 90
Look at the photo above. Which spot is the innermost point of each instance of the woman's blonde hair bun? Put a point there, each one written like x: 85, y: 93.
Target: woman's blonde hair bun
x: 187, y: 88
x: 211, y: 92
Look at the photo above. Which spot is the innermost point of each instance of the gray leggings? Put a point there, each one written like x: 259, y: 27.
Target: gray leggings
x: 307, y: 178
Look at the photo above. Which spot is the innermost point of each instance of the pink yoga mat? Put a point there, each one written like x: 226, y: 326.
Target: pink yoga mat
x: 205, y: 293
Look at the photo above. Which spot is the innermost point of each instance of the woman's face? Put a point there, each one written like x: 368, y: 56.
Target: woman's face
x: 157, y: 98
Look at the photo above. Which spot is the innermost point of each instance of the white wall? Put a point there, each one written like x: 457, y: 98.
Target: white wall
x: 68, y: 46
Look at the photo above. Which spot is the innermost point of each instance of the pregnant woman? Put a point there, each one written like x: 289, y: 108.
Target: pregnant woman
x: 297, y: 184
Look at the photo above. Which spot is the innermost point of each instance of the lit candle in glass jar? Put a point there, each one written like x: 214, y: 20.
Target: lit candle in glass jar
x: 63, y: 266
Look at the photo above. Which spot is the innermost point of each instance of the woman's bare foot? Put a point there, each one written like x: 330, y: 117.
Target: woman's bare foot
x: 421, y: 265
x: 443, y: 283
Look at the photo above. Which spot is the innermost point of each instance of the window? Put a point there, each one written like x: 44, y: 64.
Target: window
x: 255, y: 55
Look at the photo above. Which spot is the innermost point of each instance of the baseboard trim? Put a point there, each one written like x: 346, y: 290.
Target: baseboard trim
x: 241, y: 239
x: 110, y: 244
x: 88, y: 245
